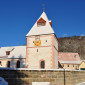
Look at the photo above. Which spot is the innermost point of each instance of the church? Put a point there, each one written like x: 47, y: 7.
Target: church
x: 41, y: 50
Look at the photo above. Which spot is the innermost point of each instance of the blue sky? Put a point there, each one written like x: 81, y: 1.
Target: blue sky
x: 18, y: 16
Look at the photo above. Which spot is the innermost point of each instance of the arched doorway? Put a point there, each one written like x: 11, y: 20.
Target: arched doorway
x: 18, y: 64
x: 0, y: 63
x: 42, y: 64
x: 8, y: 64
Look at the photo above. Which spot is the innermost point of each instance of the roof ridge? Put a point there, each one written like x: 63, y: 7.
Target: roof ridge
x: 67, y: 52
x: 38, y: 30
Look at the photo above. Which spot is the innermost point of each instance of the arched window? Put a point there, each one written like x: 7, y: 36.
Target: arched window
x: 8, y: 64
x: 0, y: 63
x: 42, y: 64
x: 18, y: 64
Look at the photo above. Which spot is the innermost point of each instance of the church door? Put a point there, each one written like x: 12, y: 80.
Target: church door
x: 42, y: 64
x: 18, y: 64
x: 8, y: 64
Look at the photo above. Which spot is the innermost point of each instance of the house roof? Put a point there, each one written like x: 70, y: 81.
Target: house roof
x: 70, y: 62
x: 15, y: 52
x: 40, y: 30
x: 10, y: 49
x: 69, y: 57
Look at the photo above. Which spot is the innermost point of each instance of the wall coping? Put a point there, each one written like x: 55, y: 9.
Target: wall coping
x: 25, y: 69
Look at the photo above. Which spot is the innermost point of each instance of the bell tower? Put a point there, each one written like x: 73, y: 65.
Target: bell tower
x: 42, y: 45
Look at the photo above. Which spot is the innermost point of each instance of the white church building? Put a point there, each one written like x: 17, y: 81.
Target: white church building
x: 40, y: 52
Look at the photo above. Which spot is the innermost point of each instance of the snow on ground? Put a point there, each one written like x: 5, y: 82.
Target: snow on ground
x: 83, y: 83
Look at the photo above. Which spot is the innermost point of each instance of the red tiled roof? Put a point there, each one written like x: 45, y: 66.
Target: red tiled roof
x: 68, y: 56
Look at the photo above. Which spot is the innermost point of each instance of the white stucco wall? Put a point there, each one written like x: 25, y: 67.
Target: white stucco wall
x: 43, y: 39
x: 56, y: 58
x: 56, y: 52
x: 12, y: 63
x: 44, y: 53
x: 3, y: 62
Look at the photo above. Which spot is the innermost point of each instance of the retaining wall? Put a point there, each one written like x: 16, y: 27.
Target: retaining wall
x: 55, y: 77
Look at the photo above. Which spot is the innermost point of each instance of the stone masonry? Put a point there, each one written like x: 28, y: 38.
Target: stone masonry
x: 55, y: 77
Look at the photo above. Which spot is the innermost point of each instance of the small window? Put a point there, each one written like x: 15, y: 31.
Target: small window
x: 41, y: 22
x: 37, y: 50
x: 37, y: 38
x: 8, y: 53
x: 77, y: 67
x: 68, y: 65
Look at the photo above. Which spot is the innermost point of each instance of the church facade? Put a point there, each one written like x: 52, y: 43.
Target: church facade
x: 40, y: 52
x: 42, y: 45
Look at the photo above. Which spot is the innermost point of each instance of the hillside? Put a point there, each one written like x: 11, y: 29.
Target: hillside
x: 73, y: 44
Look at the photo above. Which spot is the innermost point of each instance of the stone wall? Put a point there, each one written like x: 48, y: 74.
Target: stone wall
x: 55, y: 77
